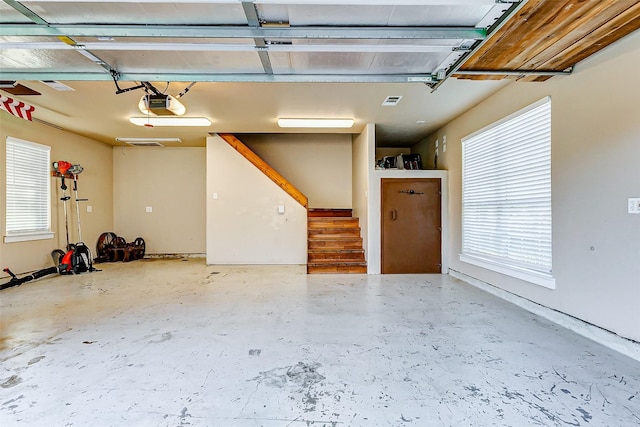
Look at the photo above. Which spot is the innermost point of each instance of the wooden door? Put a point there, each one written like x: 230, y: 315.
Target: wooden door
x: 411, y: 227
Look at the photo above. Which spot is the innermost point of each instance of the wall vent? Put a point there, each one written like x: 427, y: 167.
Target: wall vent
x: 35, y: 119
x: 391, y: 101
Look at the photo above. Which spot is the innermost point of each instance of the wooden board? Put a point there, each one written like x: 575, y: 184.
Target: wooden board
x: 553, y: 35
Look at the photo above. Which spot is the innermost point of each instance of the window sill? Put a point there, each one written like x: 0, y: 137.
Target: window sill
x: 28, y: 237
x: 540, y: 279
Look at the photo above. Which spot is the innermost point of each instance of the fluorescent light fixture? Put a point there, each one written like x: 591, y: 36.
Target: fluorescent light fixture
x: 315, y: 123
x: 151, y: 121
x: 128, y: 140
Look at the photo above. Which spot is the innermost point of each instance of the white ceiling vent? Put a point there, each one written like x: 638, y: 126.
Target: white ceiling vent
x: 147, y: 142
x: 391, y: 101
x: 57, y: 85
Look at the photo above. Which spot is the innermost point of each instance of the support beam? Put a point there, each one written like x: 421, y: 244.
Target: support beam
x: 204, y: 31
x: 229, y: 47
x: 260, y: 43
x: 205, y: 77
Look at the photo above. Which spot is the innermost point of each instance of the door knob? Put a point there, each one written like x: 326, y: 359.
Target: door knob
x: 394, y: 214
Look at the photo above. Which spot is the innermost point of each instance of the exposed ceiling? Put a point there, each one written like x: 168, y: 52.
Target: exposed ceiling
x: 256, y: 61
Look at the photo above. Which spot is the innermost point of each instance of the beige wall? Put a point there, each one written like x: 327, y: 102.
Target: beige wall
x: 95, y: 183
x: 319, y: 165
x: 243, y: 223
x: 172, y: 182
x: 595, y: 169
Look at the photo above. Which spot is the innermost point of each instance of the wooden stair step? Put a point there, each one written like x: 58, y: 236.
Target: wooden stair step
x: 333, y: 222
x: 321, y: 242
x: 334, y: 243
x: 333, y: 232
x: 322, y: 212
x: 337, y: 268
x: 335, y: 255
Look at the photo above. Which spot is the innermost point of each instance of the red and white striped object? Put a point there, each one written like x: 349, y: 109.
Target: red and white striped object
x: 17, y: 108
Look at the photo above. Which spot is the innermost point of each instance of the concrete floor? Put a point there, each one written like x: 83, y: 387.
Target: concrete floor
x: 177, y: 343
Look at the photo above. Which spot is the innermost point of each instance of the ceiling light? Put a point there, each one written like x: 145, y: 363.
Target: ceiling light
x: 147, y: 141
x: 151, y: 121
x: 161, y: 105
x: 315, y: 123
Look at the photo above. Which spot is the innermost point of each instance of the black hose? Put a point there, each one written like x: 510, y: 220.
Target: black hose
x: 33, y: 276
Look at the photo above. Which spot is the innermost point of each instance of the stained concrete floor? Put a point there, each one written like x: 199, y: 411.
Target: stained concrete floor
x: 179, y: 343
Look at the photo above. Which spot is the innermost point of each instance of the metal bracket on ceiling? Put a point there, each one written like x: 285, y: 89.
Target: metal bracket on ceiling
x: 115, y: 75
x: 516, y: 5
x: 251, y: 13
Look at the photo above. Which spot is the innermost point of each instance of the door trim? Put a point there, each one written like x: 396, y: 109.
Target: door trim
x: 374, y: 214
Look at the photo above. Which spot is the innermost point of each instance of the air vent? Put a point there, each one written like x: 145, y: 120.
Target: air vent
x: 57, y: 85
x: 147, y: 142
x: 35, y: 119
x: 391, y: 101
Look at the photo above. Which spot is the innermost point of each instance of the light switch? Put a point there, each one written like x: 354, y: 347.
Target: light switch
x: 281, y: 209
x: 89, y: 209
x: 215, y: 196
x: 634, y: 205
x: 149, y: 209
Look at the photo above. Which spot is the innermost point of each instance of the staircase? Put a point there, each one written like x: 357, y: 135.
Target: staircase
x: 334, y: 242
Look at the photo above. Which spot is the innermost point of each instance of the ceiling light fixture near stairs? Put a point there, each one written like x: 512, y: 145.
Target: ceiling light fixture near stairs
x: 315, y: 123
x: 152, y: 121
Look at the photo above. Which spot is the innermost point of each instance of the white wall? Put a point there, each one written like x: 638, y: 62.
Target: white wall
x: 595, y: 168
x: 363, y: 159
x: 319, y: 165
x: 243, y: 224
x: 172, y: 182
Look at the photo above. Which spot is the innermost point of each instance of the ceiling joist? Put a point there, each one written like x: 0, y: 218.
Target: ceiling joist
x: 222, y: 77
x: 215, y: 31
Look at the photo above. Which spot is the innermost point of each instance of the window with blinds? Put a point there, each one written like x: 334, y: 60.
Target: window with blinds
x: 506, y: 195
x: 28, y: 212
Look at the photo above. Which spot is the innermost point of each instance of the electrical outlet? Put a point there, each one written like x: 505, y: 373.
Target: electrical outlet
x: 634, y: 205
x: 149, y: 209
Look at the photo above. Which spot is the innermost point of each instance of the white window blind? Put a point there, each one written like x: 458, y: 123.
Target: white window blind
x: 506, y: 195
x: 28, y: 212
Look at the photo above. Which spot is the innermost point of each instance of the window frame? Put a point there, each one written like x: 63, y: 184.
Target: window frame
x: 530, y: 271
x: 43, y: 188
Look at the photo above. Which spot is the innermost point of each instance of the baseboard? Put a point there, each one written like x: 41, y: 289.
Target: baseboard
x: 595, y: 333
x: 175, y: 256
